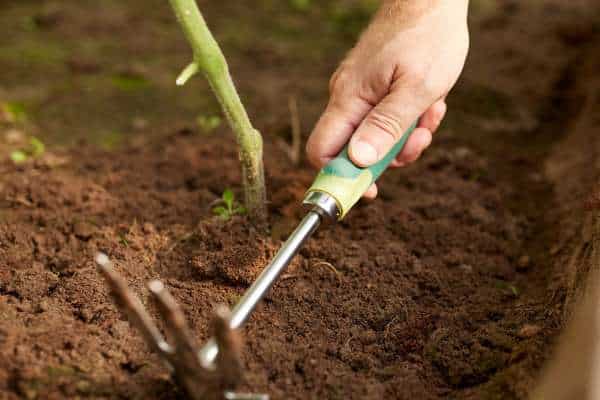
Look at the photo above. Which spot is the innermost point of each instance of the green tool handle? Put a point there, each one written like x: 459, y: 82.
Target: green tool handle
x: 346, y: 182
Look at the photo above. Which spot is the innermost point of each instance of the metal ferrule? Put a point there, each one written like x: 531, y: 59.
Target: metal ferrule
x: 324, y: 204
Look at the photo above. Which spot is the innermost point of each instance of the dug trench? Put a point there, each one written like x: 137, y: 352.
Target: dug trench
x: 444, y: 287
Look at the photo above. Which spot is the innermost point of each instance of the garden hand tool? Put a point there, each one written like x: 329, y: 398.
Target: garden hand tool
x: 180, y: 354
x: 215, y: 369
x: 337, y: 188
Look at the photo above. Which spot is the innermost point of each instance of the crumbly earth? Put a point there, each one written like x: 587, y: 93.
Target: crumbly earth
x: 417, y: 293
x: 442, y: 288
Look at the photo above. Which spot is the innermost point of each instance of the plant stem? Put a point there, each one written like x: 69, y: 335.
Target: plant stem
x: 209, y: 59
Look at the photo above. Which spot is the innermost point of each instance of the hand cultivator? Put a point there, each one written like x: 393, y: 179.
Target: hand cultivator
x: 215, y: 369
x: 200, y: 380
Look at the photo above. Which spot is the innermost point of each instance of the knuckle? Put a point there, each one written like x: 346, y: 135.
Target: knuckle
x: 386, y: 122
x: 415, y: 74
x: 340, y: 81
x: 419, y: 76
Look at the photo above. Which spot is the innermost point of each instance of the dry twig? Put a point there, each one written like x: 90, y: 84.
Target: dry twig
x: 296, y: 147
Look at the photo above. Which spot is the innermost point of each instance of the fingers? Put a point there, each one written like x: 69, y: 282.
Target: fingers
x: 422, y: 136
x: 432, y: 118
x: 418, y: 141
x: 383, y: 127
x: 334, y: 128
x: 371, y: 193
x: 373, y: 131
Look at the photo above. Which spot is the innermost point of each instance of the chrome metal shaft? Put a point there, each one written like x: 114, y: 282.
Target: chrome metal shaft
x: 241, y: 312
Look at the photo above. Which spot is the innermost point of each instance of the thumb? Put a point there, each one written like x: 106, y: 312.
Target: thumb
x: 384, y: 126
x: 335, y: 127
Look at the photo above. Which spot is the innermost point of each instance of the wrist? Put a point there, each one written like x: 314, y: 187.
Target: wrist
x: 407, y: 10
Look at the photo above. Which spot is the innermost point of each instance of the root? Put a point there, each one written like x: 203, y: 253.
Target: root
x: 330, y: 267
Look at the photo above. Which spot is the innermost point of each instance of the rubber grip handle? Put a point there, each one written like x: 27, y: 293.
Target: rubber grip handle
x: 346, y: 182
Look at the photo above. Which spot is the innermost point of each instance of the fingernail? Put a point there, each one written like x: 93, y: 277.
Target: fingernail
x: 364, y: 153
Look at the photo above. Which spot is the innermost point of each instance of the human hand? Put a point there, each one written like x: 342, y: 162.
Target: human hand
x: 401, y: 70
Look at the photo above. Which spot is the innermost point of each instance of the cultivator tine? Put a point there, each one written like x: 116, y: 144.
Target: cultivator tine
x: 199, y: 381
x: 182, y: 355
x: 229, y: 342
x: 185, y: 347
x: 229, y: 359
x: 132, y: 306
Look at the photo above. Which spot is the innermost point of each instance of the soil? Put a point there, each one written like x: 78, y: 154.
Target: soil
x: 443, y: 287
x: 421, y: 285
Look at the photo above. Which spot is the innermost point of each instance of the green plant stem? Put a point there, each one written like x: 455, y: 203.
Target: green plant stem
x: 209, y: 59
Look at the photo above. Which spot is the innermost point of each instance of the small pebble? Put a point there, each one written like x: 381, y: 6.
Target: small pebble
x: 381, y: 261
x: 42, y: 306
x: 148, y: 228
x: 466, y: 268
x: 14, y: 136
x: 25, y: 306
x: 86, y: 315
x: 528, y: 331
x: 120, y: 329
x: 368, y: 337
x: 139, y: 123
x: 524, y: 263
x: 555, y: 249
x: 83, y: 387
x: 463, y: 152
x: 83, y: 230
x: 350, y: 264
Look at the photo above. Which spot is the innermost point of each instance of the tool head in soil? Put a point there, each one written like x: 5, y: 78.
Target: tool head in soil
x: 214, y: 370
x: 201, y: 380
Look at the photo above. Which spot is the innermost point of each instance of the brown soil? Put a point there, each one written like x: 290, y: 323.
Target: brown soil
x: 441, y: 288
x: 419, y: 286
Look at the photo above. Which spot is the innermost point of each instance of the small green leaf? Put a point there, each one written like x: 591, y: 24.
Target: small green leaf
x: 29, y: 23
x: 18, y: 156
x: 208, y: 123
x: 14, y: 112
x: 37, y: 147
x: 110, y: 140
x: 123, y: 240
x: 220, y: 210
x: 240, y: 210
x: 506, y: 286
x: 301, y: 5
x: 228, y: 198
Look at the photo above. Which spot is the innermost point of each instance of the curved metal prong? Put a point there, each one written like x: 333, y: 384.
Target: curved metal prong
x: 229, y: 343
x: 175, y: 323
x: 132, y: 306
